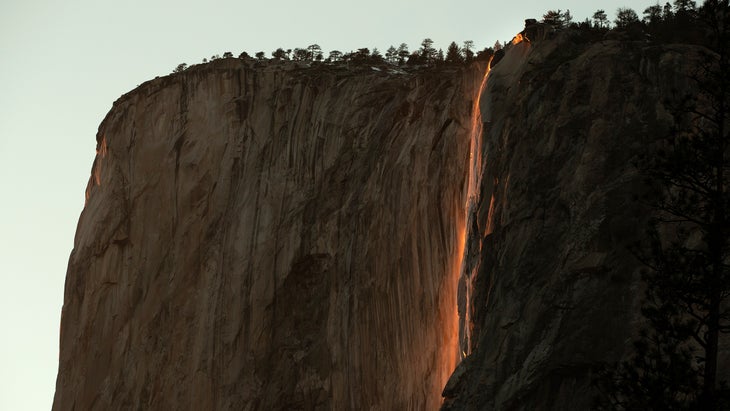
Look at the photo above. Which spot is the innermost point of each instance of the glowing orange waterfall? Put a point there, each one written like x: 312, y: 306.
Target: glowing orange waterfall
x: 475, y: 178
x: 466, y: 271
x: 452, y: 341
x: 449, y: 310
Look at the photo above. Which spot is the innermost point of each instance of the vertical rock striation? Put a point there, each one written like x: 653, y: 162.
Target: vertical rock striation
x: 555, y: 290
x: 270, y: 237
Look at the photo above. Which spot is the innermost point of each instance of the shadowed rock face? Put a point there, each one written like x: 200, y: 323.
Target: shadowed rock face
x: 270, y: 237
x: 554, y: 290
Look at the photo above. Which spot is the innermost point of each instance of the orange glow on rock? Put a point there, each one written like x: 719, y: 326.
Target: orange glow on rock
x: 101, y: 151
x: 519, y: 38
x: 451, y: 354
x: 100, y: 154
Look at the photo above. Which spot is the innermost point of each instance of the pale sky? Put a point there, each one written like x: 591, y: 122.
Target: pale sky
x: 63, y: 63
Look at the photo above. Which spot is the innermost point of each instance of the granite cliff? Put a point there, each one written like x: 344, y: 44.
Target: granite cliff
x: 275, y: 236
x: 271, y: 236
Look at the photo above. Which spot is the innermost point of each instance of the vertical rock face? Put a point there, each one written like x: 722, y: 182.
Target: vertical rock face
x: 270, y: 237
x: 553, y: 288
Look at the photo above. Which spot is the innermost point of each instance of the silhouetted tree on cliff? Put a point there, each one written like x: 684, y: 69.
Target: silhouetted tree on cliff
x: 685, y: 6
x: 468, y: 53
x: 300, y: 54
x: 567, y: 18
x: 335, y: 55
x: 314, y: 52
x: 600, y: 19
x: 403, y: 53
x: 391, y: 55
x: 669, y: 24
x: 453, y: 54
x: 554, y: 18
x: 279, y: 54
x: 625, y: 16
x: 687, y: 251
x: 440, y: 56
x: 485, y: 54
x: 652, y: 14
x: 427, y: 52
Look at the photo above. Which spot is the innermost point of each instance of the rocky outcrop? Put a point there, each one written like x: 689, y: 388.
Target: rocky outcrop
x: 270, y: 237
x: 552, y: 287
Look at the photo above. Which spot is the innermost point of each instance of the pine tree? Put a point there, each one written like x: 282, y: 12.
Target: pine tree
x: 553, y: 18
x: 335, y: 55
x: 625, y: 17
x: 403, y: 53
x: 391, y: 55
x: 468, y: 53
x: 279, y: 54
x: 600, y: 19
x: 314, y: 52
x: 453, y: 54
x: 653, y: 14
x: 427, y: 52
